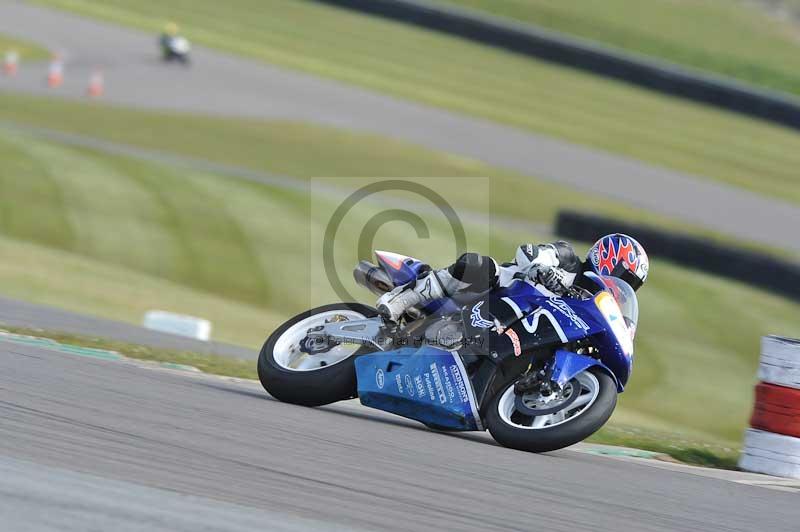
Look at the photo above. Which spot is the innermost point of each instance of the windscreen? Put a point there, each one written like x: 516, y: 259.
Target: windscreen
x: 626, y: 299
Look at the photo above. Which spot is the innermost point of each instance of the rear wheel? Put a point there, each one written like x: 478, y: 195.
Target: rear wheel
x: 569, y: 417
x: 294, y: 376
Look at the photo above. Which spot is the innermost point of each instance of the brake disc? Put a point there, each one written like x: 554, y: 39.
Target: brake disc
x: 560, y: 404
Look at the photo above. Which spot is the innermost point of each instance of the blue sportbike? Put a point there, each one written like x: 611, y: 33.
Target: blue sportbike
x: 540, y: 372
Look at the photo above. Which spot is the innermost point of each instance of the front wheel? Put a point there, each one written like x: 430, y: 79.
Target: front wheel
x: 294, y: 376
x: 588, y: 401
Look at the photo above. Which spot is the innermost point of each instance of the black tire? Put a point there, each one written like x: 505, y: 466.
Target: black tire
x: 309, y: 388
x: 559, y: 436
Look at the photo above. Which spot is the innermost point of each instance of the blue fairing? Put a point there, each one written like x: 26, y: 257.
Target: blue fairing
x: 566, y: 365
x: 426, y: 384
x: 573, y: 319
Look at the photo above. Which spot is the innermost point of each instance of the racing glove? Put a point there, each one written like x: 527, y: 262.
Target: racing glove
x: 554, y: 279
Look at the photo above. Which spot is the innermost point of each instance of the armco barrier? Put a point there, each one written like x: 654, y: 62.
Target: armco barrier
x: 761, y: 270
x: 772, y: 445
x: 586, y: 55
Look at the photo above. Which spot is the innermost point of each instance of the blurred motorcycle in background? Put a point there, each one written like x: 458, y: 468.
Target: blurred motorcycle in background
x: 174, y: 47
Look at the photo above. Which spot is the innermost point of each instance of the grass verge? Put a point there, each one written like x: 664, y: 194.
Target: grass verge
x: 737, y: 39
x: 97, y: 287
x: 466, y: 77
x: 702, y: 452
x: 207, y: 363
x: 27, y: 51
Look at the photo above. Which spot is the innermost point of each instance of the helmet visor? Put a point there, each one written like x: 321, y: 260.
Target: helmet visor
x: 621, y: 271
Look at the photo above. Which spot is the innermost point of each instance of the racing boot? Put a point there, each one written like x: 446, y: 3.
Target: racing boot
x: 392, y: 305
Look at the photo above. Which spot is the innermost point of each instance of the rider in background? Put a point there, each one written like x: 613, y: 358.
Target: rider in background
x: 553, y: 267
x: 171, y: 31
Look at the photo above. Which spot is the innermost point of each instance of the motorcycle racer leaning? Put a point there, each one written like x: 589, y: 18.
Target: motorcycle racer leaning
x: 553, y: 267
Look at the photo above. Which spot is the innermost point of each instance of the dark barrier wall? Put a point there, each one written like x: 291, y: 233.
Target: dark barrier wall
x: 757, y: 269
x: 558, y: 48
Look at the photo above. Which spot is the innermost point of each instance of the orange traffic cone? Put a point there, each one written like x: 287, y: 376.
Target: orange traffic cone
x: 55, y: 74
x: 10, y: 63
x: 96, y: 84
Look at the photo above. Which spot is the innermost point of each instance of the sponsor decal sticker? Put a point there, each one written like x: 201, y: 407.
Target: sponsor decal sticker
x: 420, y: 386
x: 562, y: 307
x: 437, y: 381
x: 379, y: 378
x: 451, y: 393
x: 477, y: 320
x: 514, y: 341
x: 462, y: 390
x: 409, y: 385
x: 429, y: 385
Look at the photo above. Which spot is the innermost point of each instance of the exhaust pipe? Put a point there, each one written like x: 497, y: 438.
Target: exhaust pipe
x: 372, y: 277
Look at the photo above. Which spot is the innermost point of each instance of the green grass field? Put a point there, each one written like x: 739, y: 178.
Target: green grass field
x: 82, y: 283
x: 473, y: 79
x: 27, y: 51
x: 114, y: 236
x: 727, y: 37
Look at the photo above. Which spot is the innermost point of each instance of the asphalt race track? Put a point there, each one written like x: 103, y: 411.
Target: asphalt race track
x: 122, y: 446
x: 223, y: 84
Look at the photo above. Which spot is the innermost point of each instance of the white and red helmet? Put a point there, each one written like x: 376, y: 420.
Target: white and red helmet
x: 620, y: 256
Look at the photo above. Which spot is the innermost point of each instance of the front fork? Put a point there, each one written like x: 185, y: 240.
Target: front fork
x: 561, y: 368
